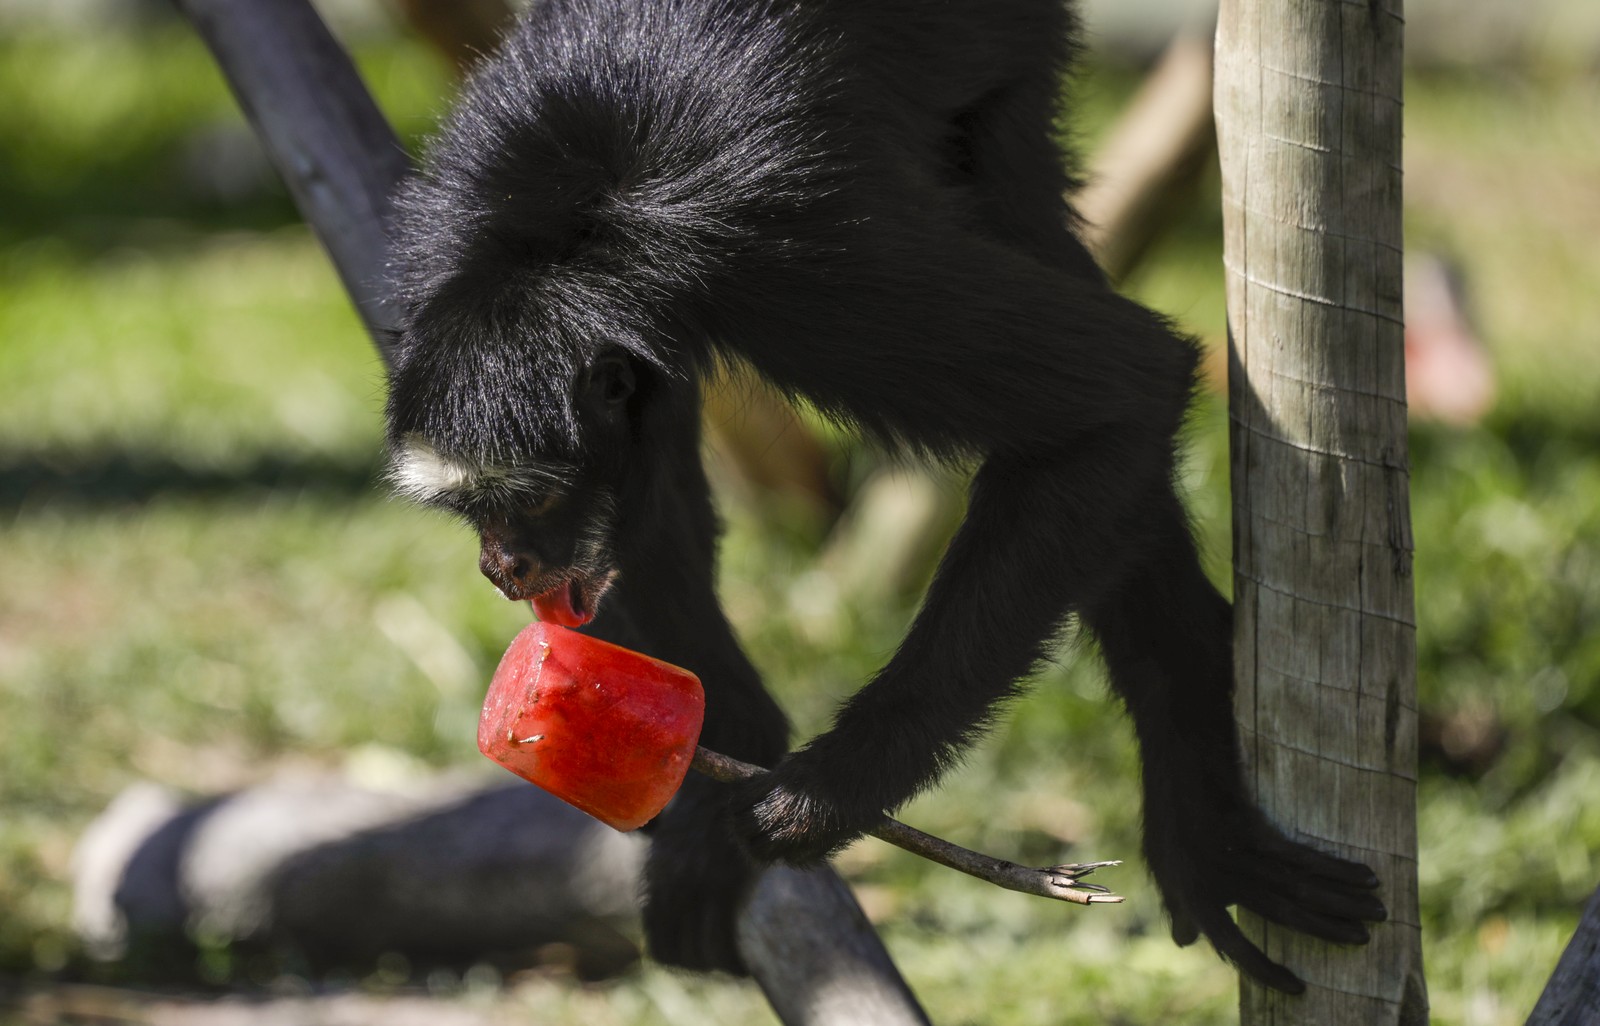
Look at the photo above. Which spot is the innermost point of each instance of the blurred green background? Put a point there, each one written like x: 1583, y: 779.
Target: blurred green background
x: 201, y: 581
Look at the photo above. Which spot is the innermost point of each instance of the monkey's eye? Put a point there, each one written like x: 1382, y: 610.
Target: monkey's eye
x: 610, y: 381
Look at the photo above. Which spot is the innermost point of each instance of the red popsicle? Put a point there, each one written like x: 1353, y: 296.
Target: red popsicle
x: 604, y: 728
x: 613, y: 732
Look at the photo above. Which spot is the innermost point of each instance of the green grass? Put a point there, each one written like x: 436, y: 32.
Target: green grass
x: 201, y: 582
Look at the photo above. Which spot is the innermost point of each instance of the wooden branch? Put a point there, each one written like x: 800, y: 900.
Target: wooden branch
x: 446, y: 871
x: 1064, y: 882
x: 1572, y: 997
x: 888, y: 541
x: 817, y: 958
x: 807, y: 942
x: 1308, y: 125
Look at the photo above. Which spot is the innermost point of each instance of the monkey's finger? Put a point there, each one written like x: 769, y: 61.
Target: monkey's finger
x: 1184, y: 931
x: 1174, y: 883
x: 1233, y: 946
x: 1302, y: 860
x: 1336, y: 927
x: 1341, y: 903
x: 1264, y: 875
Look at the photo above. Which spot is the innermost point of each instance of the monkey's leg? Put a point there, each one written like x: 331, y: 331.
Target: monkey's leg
x: 1167, y: 639
x: 1076, y: 396
x: 664, y: 603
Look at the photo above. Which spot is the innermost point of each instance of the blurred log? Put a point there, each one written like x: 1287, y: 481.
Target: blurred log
x: 1139, y: 176
x: 341, y: 160
x: 1572, y: 997
x: 319, y: 870
x: 338, y: 875
x: 812, y: 974
x: 463, y: 30
x: 753, y: 428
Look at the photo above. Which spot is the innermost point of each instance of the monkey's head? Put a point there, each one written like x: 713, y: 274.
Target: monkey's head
x: 534, y: 410
x: 553, y: 265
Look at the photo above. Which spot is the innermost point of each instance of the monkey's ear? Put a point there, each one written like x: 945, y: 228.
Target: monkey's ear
x: 609, y: 381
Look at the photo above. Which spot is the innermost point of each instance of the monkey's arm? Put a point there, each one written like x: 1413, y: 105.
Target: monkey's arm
x: 1076, y: 396
x: 1029, y: 546
x: 1164, y: 631
x: 1166, y: 635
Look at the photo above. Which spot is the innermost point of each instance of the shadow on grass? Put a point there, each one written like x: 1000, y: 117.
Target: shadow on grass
x: 122, y: 478
x: 179, y: 162
x: 165, y: 187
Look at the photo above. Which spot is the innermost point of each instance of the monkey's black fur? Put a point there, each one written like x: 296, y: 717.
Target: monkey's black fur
x: 862, y: 200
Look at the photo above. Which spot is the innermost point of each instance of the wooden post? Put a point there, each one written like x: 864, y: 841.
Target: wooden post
x: 1308, y: 111
x: 804, y: 937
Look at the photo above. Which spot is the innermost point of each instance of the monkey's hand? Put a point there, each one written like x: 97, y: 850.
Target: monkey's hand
x: 1205, y: 858
x: 797, y: 814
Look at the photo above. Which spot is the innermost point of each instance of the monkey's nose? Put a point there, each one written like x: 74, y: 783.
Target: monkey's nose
x: 510, y: 571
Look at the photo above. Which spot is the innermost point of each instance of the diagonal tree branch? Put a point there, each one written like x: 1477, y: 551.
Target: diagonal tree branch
x: 1572, y: 997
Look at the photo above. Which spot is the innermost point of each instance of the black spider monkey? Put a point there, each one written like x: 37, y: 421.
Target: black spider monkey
x: 862, y: 200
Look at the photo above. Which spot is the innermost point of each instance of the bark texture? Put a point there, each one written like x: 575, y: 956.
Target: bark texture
x: 1309, y: 124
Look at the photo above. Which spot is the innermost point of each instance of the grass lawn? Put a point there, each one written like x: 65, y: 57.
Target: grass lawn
x: 201, y: 581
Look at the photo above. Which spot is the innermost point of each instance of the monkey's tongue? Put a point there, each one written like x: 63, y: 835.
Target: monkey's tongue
x: 562, y: 606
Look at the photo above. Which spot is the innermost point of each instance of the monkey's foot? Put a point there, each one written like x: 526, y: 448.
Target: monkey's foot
x: 1207, y: 864
x: 695, y: 882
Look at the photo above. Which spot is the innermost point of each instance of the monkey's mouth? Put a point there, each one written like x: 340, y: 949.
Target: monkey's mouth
x: 573, y: 602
